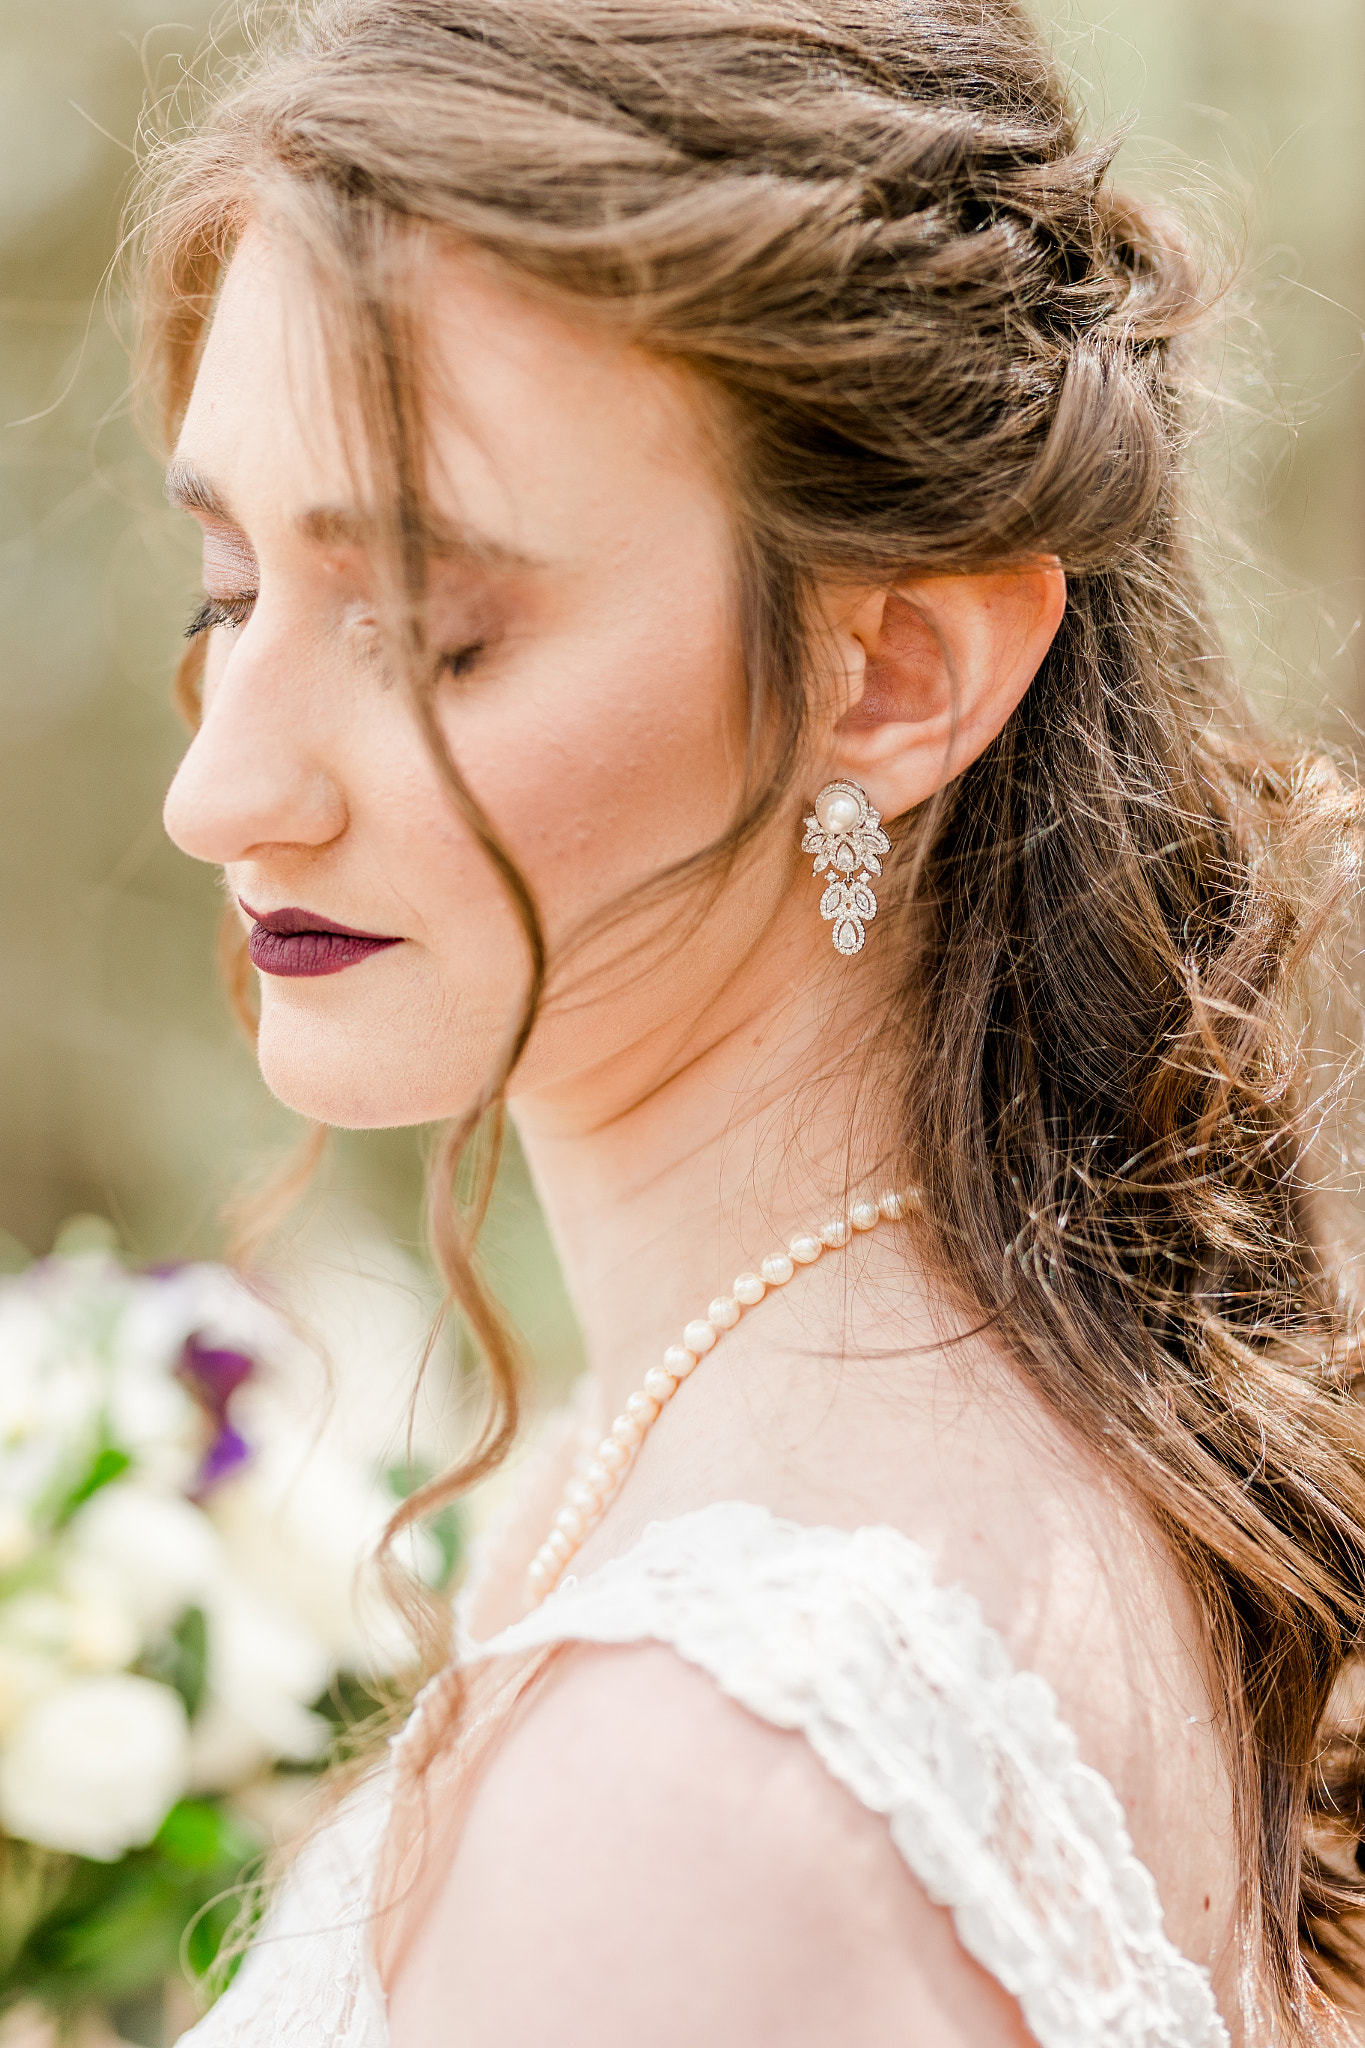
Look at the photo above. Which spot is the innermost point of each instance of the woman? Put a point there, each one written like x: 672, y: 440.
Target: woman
x: 702, y: 644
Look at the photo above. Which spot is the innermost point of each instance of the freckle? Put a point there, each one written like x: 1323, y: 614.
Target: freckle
x: 1207, y: 1904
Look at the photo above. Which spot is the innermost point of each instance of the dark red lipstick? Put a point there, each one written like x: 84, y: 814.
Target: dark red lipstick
x: 299, y: 942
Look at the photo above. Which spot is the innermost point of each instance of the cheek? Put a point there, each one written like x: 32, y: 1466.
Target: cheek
x: 621, y: 755
x: 598, y: 768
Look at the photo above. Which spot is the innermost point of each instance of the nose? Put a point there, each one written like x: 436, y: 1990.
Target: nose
x: 256, y: 773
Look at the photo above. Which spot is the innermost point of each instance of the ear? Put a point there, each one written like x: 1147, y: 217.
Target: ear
x: 931, y: 671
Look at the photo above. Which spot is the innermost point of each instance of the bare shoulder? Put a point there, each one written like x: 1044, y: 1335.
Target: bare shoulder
x: 643, y: 1860
x: 1064, y: 1567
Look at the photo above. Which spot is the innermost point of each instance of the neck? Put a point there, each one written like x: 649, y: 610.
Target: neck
x: 679, y: 1166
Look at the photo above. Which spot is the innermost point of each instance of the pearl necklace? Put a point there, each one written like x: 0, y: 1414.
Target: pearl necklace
x: 600, y: 1469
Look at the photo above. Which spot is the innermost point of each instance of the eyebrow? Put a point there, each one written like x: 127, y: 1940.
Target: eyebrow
x: 190, y: 490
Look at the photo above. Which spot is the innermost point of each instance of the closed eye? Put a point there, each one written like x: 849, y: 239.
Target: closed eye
x: 221, y: 611
x: 461, y: 659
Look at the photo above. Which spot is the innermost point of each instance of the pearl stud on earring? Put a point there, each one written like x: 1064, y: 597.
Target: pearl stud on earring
x: 845, y: 833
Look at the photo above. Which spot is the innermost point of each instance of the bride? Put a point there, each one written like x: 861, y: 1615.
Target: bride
x: 702, y: 644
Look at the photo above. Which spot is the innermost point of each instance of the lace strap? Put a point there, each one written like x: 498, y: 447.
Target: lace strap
x: 308, y: 1977
x: 909, y: 1699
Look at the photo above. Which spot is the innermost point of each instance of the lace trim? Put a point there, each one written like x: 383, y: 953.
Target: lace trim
x: 308, y: 1979
x: 909, y: 1699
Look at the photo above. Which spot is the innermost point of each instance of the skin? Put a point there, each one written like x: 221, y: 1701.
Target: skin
x: 689, y: 1097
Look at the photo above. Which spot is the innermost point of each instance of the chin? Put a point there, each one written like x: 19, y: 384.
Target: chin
x: 333, y: 1078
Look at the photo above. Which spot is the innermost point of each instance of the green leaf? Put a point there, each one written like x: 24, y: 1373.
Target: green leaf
x: 443, y: 1526
x: 133, y: 1937
x: 232, y: 1912
x: 108, y: 1463
x: 351, y: 1706
x: 32, y: 1881
x: 112, y: 1931
x: 197, y: 1834
x: 180, y: 1659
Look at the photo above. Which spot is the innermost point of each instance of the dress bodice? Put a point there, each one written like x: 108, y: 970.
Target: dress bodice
x: 910, y: 1701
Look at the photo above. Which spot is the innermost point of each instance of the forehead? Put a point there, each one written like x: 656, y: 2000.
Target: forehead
x: 544, y: 431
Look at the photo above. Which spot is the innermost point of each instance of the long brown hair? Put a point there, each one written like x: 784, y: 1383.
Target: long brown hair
x: 941, y: 340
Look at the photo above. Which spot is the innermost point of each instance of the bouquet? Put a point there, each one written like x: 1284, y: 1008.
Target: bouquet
x: 185, y: 1618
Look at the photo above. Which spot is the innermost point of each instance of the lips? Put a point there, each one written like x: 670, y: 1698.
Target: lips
x: 300, y: 943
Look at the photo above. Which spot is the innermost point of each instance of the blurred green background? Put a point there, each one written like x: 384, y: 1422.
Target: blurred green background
x: 123, y: 1089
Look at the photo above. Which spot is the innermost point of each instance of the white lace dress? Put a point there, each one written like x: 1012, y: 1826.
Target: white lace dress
x: 907, y: 1697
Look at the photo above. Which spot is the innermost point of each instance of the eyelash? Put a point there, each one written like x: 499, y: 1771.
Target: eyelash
x: 462, y: 659
x: 235, y: 611
x: 221, y: 611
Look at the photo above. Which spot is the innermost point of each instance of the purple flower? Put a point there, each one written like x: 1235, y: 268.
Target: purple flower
x: 224, y: 1455
x: 213, y: 1375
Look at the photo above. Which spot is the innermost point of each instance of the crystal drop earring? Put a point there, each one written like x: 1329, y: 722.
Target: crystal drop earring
x: 845, y: 834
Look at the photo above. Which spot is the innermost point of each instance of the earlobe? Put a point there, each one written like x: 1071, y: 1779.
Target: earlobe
x: 945, y: 661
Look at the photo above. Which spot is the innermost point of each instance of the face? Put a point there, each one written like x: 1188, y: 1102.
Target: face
x: 583, y: 594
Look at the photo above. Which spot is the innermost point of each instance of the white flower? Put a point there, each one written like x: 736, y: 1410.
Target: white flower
x: 17, y: 1537
x: 25, y: 1674
x: 160, y: 1552
x: 94, y: 1767
x: 263, y: 1669
x: 36, y: 1620
x: 156, y: 1420
x: 226, y: 1752
x: 92, y: 1361
x: 25, y: 1338
x: 200, y: 1300
x: 300, y: 1524
x: 367, y: 1310
x: 103, y: 1634
x: 86, y: 1627
x: 50, y: 1392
